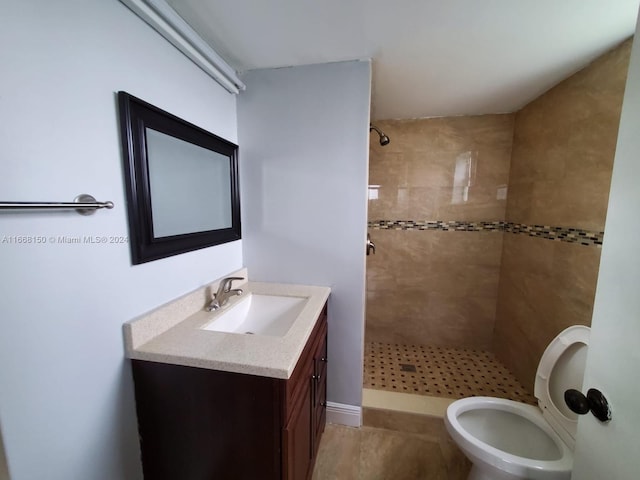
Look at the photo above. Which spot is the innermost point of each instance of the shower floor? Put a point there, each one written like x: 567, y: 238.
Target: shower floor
x: 439, y: 372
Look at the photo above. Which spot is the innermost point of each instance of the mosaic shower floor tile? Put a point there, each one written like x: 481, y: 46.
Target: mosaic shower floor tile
x: 439, y: 372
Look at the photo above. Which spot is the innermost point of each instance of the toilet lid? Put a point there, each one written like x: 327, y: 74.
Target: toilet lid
x: 561, y: 368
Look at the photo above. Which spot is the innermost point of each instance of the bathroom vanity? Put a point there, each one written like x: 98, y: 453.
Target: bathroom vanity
x: 217, y: 405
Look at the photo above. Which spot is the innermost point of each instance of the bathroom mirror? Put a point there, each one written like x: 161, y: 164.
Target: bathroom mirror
x: 181, y: 182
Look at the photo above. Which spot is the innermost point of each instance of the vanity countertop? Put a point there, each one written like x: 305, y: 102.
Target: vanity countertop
x: 173, y: 334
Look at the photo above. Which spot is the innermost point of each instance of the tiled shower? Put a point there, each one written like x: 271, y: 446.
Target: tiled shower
x: 488, y: 231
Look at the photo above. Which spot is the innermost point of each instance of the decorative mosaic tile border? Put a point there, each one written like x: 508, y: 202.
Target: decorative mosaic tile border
x: 449, y: 226
x: 561, y: 234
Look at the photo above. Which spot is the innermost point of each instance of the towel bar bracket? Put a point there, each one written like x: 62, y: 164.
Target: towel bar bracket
x: 85, y: 198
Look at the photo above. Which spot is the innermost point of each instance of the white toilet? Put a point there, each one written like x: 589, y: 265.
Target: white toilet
x: 507, y: 440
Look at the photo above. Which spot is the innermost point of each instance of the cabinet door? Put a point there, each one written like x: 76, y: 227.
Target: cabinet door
x: 320, y: 390
x: 298, y: 448
x: 199, y: 424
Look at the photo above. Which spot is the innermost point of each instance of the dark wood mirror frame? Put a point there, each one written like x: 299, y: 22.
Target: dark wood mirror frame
x: 135, y: 116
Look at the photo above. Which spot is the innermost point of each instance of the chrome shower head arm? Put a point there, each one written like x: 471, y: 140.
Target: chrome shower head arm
x: 384, y: 140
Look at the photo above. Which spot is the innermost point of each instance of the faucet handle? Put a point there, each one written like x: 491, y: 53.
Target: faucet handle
x: 229, y: 280
x: 225, y: 283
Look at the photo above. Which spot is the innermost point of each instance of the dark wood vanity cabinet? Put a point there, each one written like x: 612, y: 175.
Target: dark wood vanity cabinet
x: 200, y: 424
x: 306, y: 408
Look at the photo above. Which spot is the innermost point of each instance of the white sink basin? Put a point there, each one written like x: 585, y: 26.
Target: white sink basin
x: 270, y: 315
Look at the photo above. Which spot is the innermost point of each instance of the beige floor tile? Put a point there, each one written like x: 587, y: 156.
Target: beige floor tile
x: 391, y: 455
x: 369, y: 453
x: 338, y: 454
x: 439, y: 372
x: 428, y: 426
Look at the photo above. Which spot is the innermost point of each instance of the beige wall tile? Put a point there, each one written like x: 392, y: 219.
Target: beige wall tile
x: 392, y: 204
x: 423, y: 203
x: 436, y: 287
x: 433, y: 287
x: 519, y: 203
x: 475, y: 203
x: 460, y: 321
x: 460, y: 281
x: 444, y: 288
x: 563, y: 149
x: 431, y: 169
x: 513, y: 348
x: 421, y: 172
x: 388, y: 170
x: 545, y: 286
x: 466, y: 248
x: 564, y: 144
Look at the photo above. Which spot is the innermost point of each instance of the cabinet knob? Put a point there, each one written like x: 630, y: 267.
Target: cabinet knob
x: 323, y: 359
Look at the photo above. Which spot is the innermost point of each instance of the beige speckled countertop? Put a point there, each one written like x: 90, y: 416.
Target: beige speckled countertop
x: 172, y: 333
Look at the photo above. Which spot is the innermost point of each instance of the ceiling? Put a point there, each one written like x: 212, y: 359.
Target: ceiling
x: 430, y: 57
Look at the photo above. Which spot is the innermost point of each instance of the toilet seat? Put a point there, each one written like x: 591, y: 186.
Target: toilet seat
x: 562, y: 367
x: 484, y: 434
x: 480, y: 451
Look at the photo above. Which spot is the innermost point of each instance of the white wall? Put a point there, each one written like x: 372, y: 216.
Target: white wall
x: 4, y: 469
x: 611, y: 450
x: 304, y: 145
x: 66, y: 397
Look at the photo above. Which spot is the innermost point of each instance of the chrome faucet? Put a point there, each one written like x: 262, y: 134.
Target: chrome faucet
x: 221, y: 297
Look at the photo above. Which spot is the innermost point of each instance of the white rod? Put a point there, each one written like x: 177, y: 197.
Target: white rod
x: 171, y: 26
x: 163, y: 9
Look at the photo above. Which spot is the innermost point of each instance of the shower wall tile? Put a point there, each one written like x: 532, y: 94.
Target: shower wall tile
x: 453, y: 288
x: 439, y: 172
x: 564, y: 144
x: 437, y: 287
x: 482, y: 204
x: 433, y: 287
x: 519, y: 349
x: 441, y: 168
x: 467, y: 248
x: 544, y: 287
x: 563, y: 150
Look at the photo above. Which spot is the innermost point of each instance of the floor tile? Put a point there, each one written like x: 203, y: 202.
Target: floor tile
x: 439, y: 372
x: 391, y: 455
x: 369, y: 453
x: 338, y: 454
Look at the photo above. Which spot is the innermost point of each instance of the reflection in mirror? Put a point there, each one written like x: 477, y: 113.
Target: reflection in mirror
x: 200, y: 174
x: 182, y: 183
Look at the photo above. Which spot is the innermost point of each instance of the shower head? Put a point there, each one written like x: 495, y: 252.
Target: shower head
x: 384, y: 140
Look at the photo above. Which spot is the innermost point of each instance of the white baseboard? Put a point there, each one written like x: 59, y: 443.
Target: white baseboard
x: 343, y: 414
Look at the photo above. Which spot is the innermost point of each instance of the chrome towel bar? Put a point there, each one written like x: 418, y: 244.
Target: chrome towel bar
x: 83, y: 204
